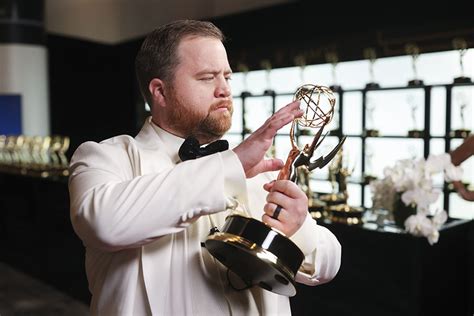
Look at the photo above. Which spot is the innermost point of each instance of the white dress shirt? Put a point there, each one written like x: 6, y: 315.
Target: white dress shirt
x: 142, y: 216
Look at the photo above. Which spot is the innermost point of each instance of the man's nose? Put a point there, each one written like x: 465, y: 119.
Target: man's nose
x: 223, y: 90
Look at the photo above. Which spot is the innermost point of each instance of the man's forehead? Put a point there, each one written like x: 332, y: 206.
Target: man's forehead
x: 206, y: 52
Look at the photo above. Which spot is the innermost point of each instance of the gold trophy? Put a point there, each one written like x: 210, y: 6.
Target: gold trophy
x: 413, y: 50
x: 414, y: 132
x: 338, y: 194
x: 316, y: 207
x: 463, y: 102
x: 333, y: 59
x: 461, y: 45
x: 257, y: 253
x: 371, y: 55
x: 338, y: 209
x: 3, y: 152
x: 370, y: 131
x: 244, y: 70
x: 57, y: 153
x: 11, y: 156
x: 300, y: 61
x: 265, y: 64
x: 369, y: 156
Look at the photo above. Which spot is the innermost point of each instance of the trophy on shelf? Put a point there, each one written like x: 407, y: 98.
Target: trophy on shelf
x: 57, y: 154
x: 336, y: 202
x: 461, y: 45
x: 300, y: 61
x: 333, y: 59
x: 15, y: 144
x: 244, y: 70
x: 414, y: 51
x: 463, y: 102
x: 414, y: 132
x: 265, y: 64
x: 42, y: 145
x: 316, y: 207
x: 257, y: 253
x: 369, y: 157
x: 371, y: 55
x: 370, y: 131
x: 3, y: 152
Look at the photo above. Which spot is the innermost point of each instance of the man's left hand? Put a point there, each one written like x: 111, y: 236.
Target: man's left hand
x: 293, y: 202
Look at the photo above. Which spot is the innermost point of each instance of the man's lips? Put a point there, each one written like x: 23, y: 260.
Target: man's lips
x: 223, y: 106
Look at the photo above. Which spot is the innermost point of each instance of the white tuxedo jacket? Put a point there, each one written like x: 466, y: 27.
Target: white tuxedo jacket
x: 142, y: 216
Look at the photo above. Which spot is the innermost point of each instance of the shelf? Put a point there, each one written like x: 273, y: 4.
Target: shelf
x: 449, y: 85
x: 424, y: 137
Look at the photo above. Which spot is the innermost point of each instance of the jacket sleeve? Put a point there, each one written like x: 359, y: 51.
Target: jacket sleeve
x: 111, y: 209
x: 322, y: 253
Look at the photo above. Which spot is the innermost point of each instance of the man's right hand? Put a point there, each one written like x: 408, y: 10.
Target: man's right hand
x: 252, y: 150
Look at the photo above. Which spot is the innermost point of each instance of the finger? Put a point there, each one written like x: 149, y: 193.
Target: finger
x: 283, y: 116
x: 279, y: 198
x: 293, y: 109
x: 273, y: 222
x: 272, y: 164
x: 265, y: 165
x: 275, y: 211
x: 283, y: 112
x: 268, y: 186
x: 288, y: 188
x: 295, y: 105
x: 275, y: 123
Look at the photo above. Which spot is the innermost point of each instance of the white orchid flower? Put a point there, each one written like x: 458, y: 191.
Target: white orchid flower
x: 433, y: 237
x: 440, y: 218
x: 453, y: 173
x: 420, y: 197
x: 419, y: 225
x: 437, y: 163
x: 412, y: 180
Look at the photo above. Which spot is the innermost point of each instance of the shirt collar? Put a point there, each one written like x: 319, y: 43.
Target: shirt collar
x: 172, y: 142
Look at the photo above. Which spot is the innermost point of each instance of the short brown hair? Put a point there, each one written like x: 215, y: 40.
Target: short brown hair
x: 157, y: 57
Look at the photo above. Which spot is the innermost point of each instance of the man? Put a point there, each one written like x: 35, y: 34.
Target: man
x: 142, y: 213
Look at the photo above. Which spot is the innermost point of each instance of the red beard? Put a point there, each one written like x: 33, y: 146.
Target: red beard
x: 188, y: 122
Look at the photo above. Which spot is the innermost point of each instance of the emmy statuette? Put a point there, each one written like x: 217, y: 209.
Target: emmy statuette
x: 370, y: 131
x: 265, y: 64
x: 414, y: 132
x: 414, y: 51
x: 371, y: 55
x: 244, y: 70
x: 251, y: 249
x: 300, y: 61
x: 463, y: 102
x: 369, y: 157
x: 461, y: 45
x: 338, y: 209
x: 333, y: 59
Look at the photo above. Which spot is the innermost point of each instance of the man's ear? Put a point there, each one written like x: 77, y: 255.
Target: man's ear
x: 157, y: 88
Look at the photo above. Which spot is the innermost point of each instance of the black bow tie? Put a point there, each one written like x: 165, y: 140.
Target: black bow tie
x: 190, y: 149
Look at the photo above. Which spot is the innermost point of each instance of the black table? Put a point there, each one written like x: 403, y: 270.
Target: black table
x: 394, y: 273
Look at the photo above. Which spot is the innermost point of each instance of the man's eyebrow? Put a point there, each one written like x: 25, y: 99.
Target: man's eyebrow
x: 213, y: 72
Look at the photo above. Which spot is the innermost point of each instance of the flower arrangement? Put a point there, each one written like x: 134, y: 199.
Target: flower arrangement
x: 412, y: 181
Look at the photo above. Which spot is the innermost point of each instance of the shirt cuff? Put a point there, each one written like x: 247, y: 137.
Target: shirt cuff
x: 304, y: 238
